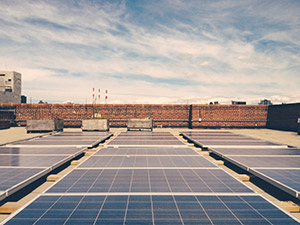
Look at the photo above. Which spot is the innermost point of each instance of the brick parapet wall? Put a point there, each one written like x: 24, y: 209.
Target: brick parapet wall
x: 163, y: 115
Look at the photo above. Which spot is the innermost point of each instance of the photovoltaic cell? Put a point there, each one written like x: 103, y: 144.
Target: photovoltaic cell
x: 83, y: 134
x: 145, y: 142
x: 233, y: 143
x: 256, y: 151
x: 146, y: 161
x: 288, y: 177
x: 149, y: 180
x: 143, y: 133
x: 225, y: 138
x: 41, y: 150
x: 10, y: 177
x: 146, y: 151
x: 48, y: 142
x: 146, y: 138
x: 156, y: 209
x: 270, y: 161
x: 30, y: 161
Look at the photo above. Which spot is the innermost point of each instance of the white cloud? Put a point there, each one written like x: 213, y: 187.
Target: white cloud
x: 63, y: 50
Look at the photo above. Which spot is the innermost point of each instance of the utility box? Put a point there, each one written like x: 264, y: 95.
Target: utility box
x: 140, y: 124
x: 44, y: 125
x: 298, y: 131
x: 95, y: 125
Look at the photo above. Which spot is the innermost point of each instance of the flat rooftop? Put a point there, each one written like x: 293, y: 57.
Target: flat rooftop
x: 88, y: 163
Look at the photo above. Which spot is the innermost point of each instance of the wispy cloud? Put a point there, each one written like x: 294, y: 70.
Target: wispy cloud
x: 184, y: 51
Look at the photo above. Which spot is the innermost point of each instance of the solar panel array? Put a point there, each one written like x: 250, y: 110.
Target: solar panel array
x: 207, y: 139
x: 20, y: 165
x: 149, y: 185
x: 279, y: 166
x: 84, y: 139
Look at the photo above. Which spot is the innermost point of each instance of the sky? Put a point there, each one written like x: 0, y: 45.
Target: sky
x: 153, y: 51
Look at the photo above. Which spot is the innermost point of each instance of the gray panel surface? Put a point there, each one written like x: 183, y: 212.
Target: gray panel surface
x: 10, y: 177
x: 269, y: 161
x: 30, y: 161
x: 286, y: 179
x: 256, y: 151
x: 156, y: 209
x: 88, y: 143
x: 141, y: 142
x: 146, y: 161
x: 149, y: 180
x: 41, y: 150
x: 146, y: 151
x: 84, y: 134
x: 145, y: 133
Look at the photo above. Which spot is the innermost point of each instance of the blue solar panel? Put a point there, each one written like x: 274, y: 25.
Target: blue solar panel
x: 49, y: 142
x: 10, y: 177
x: 148, y: 180
x: 146, y: 151
x: 31, y: 161
x: 269, y: 161
x: 256, y: 151
x: 145, y: 142
x: 146, y: 161
x: 40, y: 150
x: 156, y: 209
x: 142, y: 133
x: 83, y: 134
x: 286, y: 179
x: 208, y: 143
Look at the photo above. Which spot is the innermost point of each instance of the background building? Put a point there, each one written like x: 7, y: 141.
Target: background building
x: 10, y: 87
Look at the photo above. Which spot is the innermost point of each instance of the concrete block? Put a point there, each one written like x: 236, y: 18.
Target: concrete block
x: 74, y: 162
x: 9, y: 207
x: 44, y: 125
x: 139, y: 124
x: 219, y: 162
x: 290, y: 207
x: 244, y: 177
x: 53, y: 177
x: 88, y: 153
x: 95, y: 125
x: 204, y: 153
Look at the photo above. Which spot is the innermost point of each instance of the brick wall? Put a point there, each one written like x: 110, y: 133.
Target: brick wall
x: 229, y: 115
x: 283, y: 117
x: 163, y: 115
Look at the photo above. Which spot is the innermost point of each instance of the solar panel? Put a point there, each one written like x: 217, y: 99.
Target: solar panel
x: 156, y: 209
x: 256, y: 151
x: 146, y: 161
x: 10, y: 177
x: 149, y: 180
x: 143, y: 133
x: 146, y: 151
x: 71, y: 138
x: 225, y: 138
x: 144, y: 143
x: 233, y: 142
x: 41, y: 150
x: 145, y: 138
x: 206, y: 132
x: 31, y: 161
x: 285, y: 179
x: 268, y: 161
x: 85, y: 134
x: 51, y: 143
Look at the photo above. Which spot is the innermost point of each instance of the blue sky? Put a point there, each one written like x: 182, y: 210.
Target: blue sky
x: 142, y: 51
